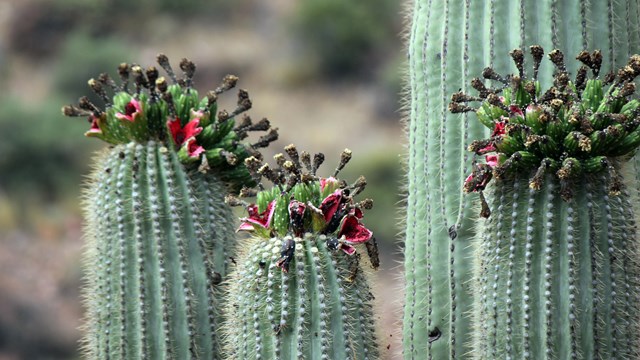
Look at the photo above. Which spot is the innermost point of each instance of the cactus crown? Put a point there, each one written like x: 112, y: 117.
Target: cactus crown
x: 148, y: 108
x: 301, y: 202
x: 574, y: 128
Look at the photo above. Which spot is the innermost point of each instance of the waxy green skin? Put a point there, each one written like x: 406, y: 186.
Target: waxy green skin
x: 158, y: 242
x: 554, y: 278
x: 450, y: 42
x: 320, y: 309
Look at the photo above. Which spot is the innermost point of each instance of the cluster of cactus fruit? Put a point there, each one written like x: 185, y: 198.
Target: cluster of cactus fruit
x: 571, y: 130
x: 160, y: 236
x: 203, y: 137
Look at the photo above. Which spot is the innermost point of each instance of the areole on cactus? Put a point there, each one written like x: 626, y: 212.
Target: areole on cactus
x: 159, y: 235
x: 299, y: 290
x: 556, y: 263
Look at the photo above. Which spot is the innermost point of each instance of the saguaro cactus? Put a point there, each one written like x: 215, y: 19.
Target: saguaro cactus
x: 450, y: 42
x: 159, y: 234
x: 557, y: 269
x: 299, y: 290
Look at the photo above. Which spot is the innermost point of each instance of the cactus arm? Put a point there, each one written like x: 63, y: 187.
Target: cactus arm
x: 151, y: 285
x: 434, y: 204
x: 299, y: 282
x: 318, y: 315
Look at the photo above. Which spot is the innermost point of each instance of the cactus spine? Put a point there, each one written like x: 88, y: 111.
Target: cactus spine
x: 300, y: 290
x: 159, y: 235
x: 450, y: 42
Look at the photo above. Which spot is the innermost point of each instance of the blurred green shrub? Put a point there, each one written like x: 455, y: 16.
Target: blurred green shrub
x: 115, y: 10
x: 43, y: 153
x: 346, y: 38
x: 83, y: 57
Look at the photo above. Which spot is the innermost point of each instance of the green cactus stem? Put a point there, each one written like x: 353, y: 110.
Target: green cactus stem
x: 159, y: 235
x: 449, y: 43
x: 300, y: 290
x: 557, y: 279
x: 556, y: 262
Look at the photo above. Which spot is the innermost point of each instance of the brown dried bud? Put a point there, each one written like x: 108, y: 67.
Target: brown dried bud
x: 161, y: 84
x: 345, y: 157
x: 518, y: 58
x: 318, y: 159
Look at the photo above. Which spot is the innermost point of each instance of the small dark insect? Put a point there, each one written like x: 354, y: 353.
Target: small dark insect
x: 121, y: 155
x: 296, y: 217
x: 107, y: 170
x: 388, y: 346
x: 262, y: 264
x: 286, y: 255
x: 216, y: 278
x: 233, y: 260
x: 332, y: 244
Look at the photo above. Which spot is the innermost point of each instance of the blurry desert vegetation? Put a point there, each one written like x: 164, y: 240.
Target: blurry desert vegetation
x: 326, y: 72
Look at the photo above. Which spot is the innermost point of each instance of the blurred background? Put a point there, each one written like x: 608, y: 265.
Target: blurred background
x: 328, y: 73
